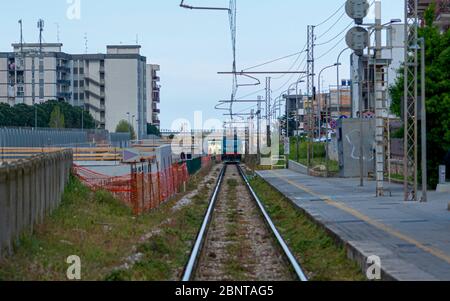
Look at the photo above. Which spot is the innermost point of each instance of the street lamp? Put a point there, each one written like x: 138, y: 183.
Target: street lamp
x: 327, y: 119
x: 320, y: 97
x: 338, y: 64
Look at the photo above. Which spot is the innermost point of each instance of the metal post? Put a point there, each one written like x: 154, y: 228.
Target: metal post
x: 424, y: 124
x: 258, y: 126
x: 361, y: 121
x: 379, y: 106
x: 310, y: 93
x: 410, y: 101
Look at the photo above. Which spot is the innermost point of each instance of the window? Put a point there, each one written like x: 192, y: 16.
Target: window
x: 75, y: 70
x: 75, y: 83
x: 81, y: 70
x: 81, y: 96
x: 81, y: 83
x: 75, y: 96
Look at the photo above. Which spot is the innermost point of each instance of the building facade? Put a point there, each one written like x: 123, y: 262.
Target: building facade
x: 118, y: 85
x: 392, y: 56
x: 442, y: 12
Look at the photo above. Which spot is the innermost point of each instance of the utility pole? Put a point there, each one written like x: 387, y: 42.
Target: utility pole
x: 311, y: 93
x: 410, y: 159
x: 258, y: 130
x: 424, y: 123
x: 361, y: 122
x: 380, y: 113
x: 41, y: 70
x: 268, y: 110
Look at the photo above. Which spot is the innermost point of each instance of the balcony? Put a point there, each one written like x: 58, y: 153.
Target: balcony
x: 443, y: 14
x: 65, y: 95
x: 64, y: 82
x: 156, y: 78
x: 156, y: 111
x: 63, y: 69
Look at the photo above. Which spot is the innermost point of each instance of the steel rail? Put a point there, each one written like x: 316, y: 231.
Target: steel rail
x: 201, y: 237
x: 298, y: 269
x: 193, y: 260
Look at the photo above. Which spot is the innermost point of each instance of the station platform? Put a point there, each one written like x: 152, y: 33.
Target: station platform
x: 411, y: 239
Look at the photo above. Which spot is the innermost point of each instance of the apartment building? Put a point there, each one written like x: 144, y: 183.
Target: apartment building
x: 296, y: 109
x: 154, y: 97
x: 442, y: 12
x: 118, y: 85
x: 392, y: 56
x: 340, y: 105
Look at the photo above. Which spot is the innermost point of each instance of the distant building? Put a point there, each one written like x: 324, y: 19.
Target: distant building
x: 442, y: 12
x: 154, y: 97
x: 392, y: 57
x: 118, y: 85
x: 296, y: 108
x: 341, y: 104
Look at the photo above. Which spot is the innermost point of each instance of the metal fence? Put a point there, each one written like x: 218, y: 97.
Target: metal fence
x: 46, y: 137
x: 29, y: 191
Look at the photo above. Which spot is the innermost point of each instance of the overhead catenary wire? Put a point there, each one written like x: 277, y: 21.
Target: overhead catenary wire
x: 330, y: 17
x: 336, y: 36
x: 331, y: 27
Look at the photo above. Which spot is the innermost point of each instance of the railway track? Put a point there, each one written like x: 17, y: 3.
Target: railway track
x: 237, y: 239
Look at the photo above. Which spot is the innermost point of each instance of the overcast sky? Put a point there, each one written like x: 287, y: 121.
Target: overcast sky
x: 190, y: 46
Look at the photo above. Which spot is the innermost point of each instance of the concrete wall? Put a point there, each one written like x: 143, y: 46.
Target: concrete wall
x: 349, y: 146
x: 297, y: 167
x: 29, y: 191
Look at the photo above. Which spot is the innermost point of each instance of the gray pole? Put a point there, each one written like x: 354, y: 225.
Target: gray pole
x: 361, y: 126
x: 326, y: 118
x: 258, y: 130
x: 424, y: 126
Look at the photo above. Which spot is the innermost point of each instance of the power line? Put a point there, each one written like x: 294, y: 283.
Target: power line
x: 336, y: 36
x: 332, y: 26
x: 330, y: 17
x: 331, y: 49
x: 274, y: 60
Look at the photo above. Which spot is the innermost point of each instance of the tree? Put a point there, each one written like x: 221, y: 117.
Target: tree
x: 23, y: 115
x: 437, y: 93
x: 125, y: 127
x: 153, y: 130
x: 56, y: 119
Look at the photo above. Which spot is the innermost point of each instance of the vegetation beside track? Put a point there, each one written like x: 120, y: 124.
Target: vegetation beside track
x: 315, y: 250
x: 112, y: 243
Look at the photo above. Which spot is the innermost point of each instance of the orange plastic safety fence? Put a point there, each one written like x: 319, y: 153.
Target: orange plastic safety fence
x: 140, y: 190
x: 118, y: 186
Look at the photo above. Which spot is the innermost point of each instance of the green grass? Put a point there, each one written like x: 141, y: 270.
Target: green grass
x: 319, y: 155
x: 314, y: 248
x: 101, y: 231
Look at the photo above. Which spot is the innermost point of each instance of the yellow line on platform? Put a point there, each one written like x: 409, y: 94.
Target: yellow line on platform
x: 436, y: 252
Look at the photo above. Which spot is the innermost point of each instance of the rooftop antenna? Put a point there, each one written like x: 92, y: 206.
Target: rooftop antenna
x: 57, y: 32
x: 40, y: 25
x: 86, y: 42
x: 137, y: 39
x: 21, y: 35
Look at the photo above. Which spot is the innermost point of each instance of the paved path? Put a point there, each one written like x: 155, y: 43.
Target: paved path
x: 412, y: 240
